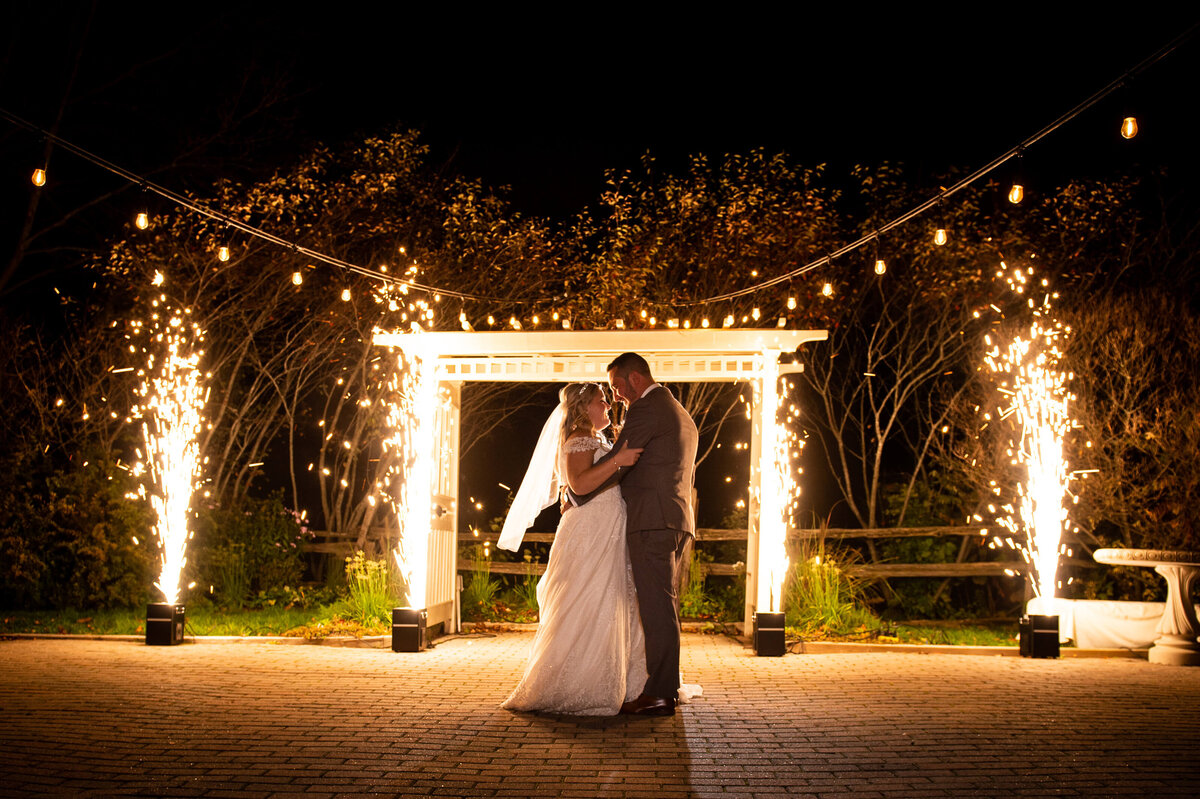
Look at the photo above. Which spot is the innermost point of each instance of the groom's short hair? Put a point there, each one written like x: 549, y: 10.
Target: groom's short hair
x: 628, y: 362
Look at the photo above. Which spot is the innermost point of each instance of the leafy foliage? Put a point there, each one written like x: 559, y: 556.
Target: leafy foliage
x: 253, y: 547
x: 821, y: 599
x: 370, y: 599
x: 70, y: 539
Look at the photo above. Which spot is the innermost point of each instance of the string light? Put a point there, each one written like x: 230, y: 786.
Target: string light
x: 791, y: 303
x: 346, y: 295
x: 297, y: 278
x: 1129, y: 125
x: 827, y: 289
x: 223, y: 254
x: 940, y: 235
x: 142, y: 221
x: 1017, y: 192
x: 39, y: 177
x: 880, y: 268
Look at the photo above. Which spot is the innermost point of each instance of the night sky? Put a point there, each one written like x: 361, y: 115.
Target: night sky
x: 544, y: 102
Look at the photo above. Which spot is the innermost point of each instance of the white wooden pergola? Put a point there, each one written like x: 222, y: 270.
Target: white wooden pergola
x: 674, y: 355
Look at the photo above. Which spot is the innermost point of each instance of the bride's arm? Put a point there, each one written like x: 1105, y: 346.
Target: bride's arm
x: 583, y: 476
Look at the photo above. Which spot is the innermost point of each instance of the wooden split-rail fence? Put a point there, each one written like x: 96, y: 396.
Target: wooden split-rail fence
x: 343, y: 545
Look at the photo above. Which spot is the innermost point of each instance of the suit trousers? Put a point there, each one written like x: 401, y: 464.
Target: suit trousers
x: 655, y: 556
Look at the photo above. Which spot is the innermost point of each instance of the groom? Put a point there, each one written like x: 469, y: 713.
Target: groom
x: 657, y: 491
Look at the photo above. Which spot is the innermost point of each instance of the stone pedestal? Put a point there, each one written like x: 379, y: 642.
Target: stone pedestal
x: 1178, y: 628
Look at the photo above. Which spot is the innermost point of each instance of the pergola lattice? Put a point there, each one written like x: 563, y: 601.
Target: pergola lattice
x: 686, y: 356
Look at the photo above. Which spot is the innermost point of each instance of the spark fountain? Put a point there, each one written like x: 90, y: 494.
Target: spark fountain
x: 412, y: 425
x: 777, y: 493
x: 171, y: 400
x: 1028, y: 375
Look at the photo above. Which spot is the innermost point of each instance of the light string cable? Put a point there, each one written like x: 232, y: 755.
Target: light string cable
x: 932, y: 202
x: 197, y: 208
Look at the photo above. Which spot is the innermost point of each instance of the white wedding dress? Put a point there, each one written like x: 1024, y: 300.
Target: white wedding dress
x: 589, y: 654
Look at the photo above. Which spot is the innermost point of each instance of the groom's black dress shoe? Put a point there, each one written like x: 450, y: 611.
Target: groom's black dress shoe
x: 646, y: 705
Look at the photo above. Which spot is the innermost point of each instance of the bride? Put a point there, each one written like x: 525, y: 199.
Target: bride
x: 589, y: 652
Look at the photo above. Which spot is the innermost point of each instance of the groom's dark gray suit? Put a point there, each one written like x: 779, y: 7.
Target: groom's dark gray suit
x: 658, y: 499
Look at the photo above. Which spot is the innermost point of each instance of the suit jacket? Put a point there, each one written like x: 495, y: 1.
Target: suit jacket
x: 658, y: 488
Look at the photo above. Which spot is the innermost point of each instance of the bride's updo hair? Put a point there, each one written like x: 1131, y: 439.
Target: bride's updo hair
x: 576, y: 397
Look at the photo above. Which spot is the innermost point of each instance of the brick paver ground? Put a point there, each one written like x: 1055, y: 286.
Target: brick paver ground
x: 102, y: 718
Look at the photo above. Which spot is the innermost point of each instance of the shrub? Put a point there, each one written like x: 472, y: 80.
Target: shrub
x: 479, y: 594
x: 250, y: 548
x: 820, y: 598
x: 370, y: 599
x: 525, y: 591
x: 71, y: 539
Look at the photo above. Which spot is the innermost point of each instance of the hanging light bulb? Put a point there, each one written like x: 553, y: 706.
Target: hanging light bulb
x: 791, y: 303
x: 704, y: 322
x: 620, y: 324
x: 345, y: 295
x: 223, y: 254
x: 1129, y: 123
x: 39, y: 177
x: 491, y: 320
x: 827, y: 289
x: 142, y: 221
x: 755, y: 314
x: 297, y: 278
x: 566, y: 324
x: 880, y: 268
x: 940, y: 236
x: 781, y: 322
x: 687, y: 324
x: 1017, y: 192
x: 728, y: 321
x: 462, y: 320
